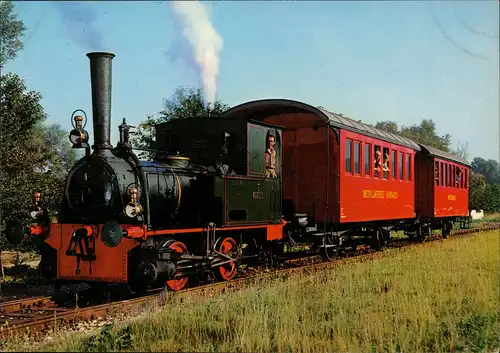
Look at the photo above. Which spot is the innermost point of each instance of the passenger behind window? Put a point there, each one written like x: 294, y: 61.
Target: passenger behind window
x: 271, y: 157
x: 385, y: 166
x: 458, y: 177
x: 436, y: 173
x: 386, y: 162
x: 378, y: 160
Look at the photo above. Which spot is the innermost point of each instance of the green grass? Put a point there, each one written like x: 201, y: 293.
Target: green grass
x: 439, y: 297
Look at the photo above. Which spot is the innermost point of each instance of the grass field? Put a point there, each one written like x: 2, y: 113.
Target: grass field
x: 440, y: 297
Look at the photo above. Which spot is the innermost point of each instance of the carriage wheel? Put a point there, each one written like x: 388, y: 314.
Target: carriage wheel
x: 421, y: 234
x: 331, y: 250
x: 177, y: 284
x: 226, y: 246
x: 447, y: 226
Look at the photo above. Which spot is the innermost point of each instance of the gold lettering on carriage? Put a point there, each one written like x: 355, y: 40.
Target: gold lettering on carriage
x: 379, y: 194
x: 452, y: 197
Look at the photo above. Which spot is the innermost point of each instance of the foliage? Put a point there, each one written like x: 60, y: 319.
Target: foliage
x: 490, y: 169
x: 425, y: 133
x: 11, y: 30
x: 397, y: 302
x: 185, y: 103
x: 462, y: 151
x: 485, y: 185
x: 477, y: 192
x: 492, y: 197
x: 33, y: 156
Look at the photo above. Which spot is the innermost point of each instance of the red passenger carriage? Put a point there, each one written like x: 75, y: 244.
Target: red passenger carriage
x: 346, y: 176
x: 442, y: 192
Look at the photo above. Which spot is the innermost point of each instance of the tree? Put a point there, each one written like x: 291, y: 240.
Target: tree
x: 21, y: 150
x: 63, y: 157
x: 185, y: 103
x: 462, y: 150
x: 11, y: 30
x: 489, y: 168
x: 492, y: 197
x: 30, y: 152
x: 389, y: 126
x: 424, y: 133
x: 477, y: 189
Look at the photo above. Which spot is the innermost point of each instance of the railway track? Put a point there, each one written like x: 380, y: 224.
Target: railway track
x: 41, y: 314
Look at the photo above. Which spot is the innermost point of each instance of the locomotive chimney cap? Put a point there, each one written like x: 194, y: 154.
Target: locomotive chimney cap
x: 100, y: 53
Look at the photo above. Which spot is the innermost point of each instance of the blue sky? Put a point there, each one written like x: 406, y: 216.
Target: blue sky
x: 371, y: 61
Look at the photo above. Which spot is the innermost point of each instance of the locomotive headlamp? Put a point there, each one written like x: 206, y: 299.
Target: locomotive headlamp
x: 112, y: 234
x: 78, y: 136
x: 133, y: 208
x: 36, y: 212
x: 15, y: 232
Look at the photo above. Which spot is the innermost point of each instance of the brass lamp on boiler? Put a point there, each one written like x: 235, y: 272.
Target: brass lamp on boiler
x: 133, y: 208
x: 78, y: 136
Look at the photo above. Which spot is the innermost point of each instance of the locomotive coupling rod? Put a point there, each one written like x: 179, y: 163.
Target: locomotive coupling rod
x: 217, y: 264
x: 224, y: 255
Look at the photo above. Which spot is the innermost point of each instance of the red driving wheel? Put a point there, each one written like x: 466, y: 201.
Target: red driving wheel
x: 177, y: 284
x: 228, y: 270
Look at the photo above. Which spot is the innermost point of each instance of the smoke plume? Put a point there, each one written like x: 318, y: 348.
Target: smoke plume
x: 193, y: 19
x: 79, y: 20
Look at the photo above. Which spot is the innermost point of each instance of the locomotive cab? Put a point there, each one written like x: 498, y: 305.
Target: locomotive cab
x: 237, y: 151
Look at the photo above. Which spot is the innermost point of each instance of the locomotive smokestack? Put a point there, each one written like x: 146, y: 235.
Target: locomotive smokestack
x: 100, y: 80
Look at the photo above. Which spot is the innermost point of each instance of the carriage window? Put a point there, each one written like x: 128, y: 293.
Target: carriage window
x: 466, y: 179
x: 385, y: 161
x: 408, y: 166
x: 446, y: 175
x: 357, y: 162
x: 401, y: 164
x: 453, y: 171
x: 442, y: 176
x: 436, y: 172
x: 449, y: 176
x: 458, y: 177
x: 377, y: 161
x: 394, y: 165
x: 368, y: 159
x: 348, y: 167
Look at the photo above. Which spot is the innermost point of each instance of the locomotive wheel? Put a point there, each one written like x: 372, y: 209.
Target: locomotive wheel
x: 226, y: 246
x: 177, y: 284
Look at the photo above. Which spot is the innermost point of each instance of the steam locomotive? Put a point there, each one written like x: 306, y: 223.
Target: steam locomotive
x: 148, y: 223
x: 205, y: 204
